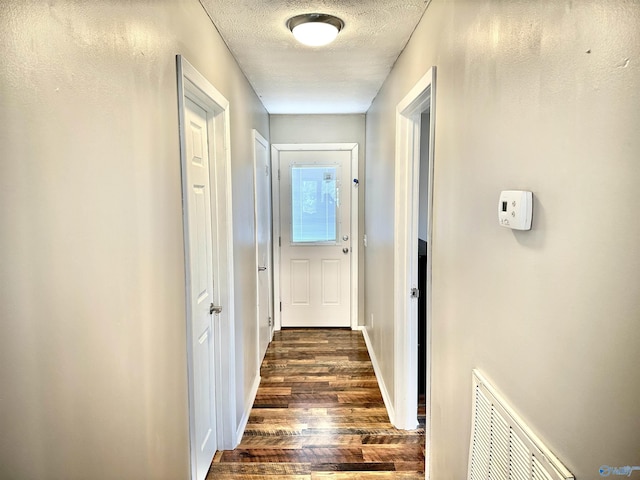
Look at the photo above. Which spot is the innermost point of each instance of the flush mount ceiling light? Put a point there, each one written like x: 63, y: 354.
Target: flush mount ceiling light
x: 315, y: 29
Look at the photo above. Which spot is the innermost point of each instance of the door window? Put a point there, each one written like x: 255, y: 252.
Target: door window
x: 314, y: 204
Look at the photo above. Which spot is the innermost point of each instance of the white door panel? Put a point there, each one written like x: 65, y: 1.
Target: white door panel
x: 315, y: 220
x: 262, y: 185
x: 330, y: 281
x: 201, y: 283
x: 300, y: 280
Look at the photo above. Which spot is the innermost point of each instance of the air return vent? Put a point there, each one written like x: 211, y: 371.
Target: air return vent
x: 502, y: 446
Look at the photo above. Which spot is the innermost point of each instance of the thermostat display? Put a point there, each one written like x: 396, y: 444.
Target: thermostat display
x: 514, y: 209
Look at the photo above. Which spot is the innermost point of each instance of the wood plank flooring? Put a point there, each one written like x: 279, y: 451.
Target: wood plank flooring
x: 319, y: 415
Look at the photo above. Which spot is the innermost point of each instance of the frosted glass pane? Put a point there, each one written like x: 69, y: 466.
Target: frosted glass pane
x: 313, y: 204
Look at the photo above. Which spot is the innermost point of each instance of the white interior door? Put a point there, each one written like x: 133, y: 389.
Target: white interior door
x: 315, y: 238
x: 262, y: 184
x: 200, y: 284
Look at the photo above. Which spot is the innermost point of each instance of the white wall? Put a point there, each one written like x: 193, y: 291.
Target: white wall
x: 540, y: 95
x: 329, y: 129
x: 92, y: 303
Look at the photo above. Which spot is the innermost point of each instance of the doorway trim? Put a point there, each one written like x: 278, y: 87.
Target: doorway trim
x: 276, y: 148
x: 421, y: 98
x: 195, y: 87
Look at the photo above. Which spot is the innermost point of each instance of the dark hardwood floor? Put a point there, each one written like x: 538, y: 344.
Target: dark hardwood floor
x: 319, y: 415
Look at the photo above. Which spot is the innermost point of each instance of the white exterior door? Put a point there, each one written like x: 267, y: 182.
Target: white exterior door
x: 262, y: 184
x: 200, y: 278
x: 315, y: 238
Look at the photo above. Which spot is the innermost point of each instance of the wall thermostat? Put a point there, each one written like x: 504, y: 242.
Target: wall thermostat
x: 514, y: 209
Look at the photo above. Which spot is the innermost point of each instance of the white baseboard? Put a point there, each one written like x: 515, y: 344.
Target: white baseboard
x: 247, y: 409
x: 376, y: 368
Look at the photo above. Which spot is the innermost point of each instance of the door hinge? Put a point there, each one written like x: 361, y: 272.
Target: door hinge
x: 278, y: 174
x: 279, y: 241
x: 270, y: 322
x: 415, y: 293
x: 280, y: 306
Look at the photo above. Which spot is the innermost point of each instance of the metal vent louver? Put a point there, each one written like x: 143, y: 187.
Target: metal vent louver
x: 502, y: 446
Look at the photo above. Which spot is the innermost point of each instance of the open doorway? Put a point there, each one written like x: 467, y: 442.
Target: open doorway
x: 423, y: 236
x: 413, y: 233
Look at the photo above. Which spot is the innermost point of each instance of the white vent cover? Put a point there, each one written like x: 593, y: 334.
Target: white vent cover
x: 502, y: 446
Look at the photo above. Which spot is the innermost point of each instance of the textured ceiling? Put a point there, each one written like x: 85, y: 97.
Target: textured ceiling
x: 343, y: 77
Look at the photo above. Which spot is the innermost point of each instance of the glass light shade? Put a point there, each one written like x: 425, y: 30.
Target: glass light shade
x: 315, y: 34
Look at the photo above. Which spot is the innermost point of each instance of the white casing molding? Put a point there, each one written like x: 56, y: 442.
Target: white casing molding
x: 420, y: 99
x: 275, y: 202
x: 194, y: 86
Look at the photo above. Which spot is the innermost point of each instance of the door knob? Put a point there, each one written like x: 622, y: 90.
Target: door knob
x: 345, y: 237
x: 215, y: 309
x: 262, y: 269
x: 345, y: 250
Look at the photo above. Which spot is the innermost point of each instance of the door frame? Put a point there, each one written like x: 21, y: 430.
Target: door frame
x: 257, y: 137
x: 421, y: 98
x: 276, y: 148
x: 195, y: 87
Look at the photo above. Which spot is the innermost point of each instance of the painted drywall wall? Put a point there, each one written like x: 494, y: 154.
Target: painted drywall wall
x: 92, y: 302
x: 539, y: 95
x: 330, y: 129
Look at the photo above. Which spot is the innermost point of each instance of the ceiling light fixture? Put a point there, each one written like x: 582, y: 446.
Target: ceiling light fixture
x: 315, y: 29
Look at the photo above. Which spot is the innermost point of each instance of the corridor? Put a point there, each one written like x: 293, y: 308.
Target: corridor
x: 319, y: 414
